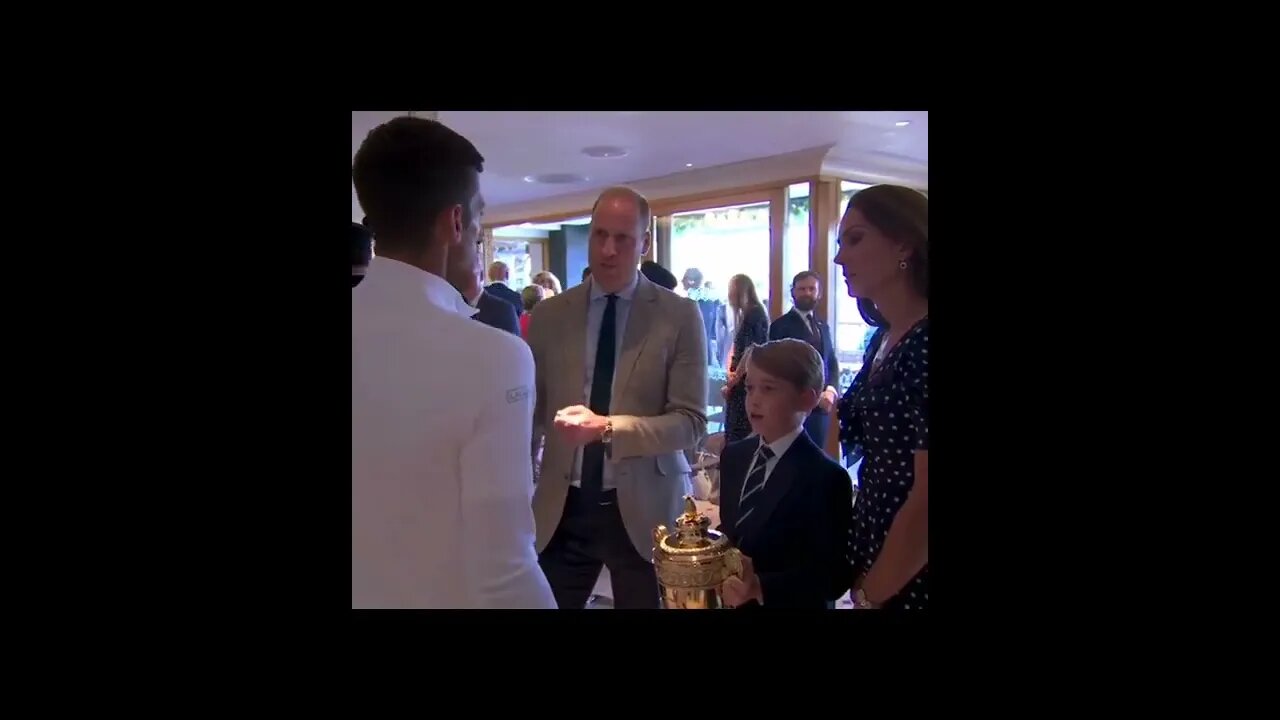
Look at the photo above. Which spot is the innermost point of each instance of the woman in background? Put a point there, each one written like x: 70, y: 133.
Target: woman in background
x: 531, y: 295
x: 549, y: 282
x: 752, y: 323
x: 883, y: 248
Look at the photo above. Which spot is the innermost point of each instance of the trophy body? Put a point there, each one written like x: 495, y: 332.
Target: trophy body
x: 692, y: 561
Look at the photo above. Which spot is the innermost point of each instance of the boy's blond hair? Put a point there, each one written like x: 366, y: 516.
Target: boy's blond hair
x: 794, y: 361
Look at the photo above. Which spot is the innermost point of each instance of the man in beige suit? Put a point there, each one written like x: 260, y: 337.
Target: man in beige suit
x: 621, y: 375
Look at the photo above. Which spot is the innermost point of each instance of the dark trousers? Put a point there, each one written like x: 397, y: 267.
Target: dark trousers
x: 591, y: 535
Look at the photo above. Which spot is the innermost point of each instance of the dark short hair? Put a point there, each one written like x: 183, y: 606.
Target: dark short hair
x: 902, y: 215
x: 658, y: 275
x: 805, y: 274
x: 409, y: 170
x: 791, y: 360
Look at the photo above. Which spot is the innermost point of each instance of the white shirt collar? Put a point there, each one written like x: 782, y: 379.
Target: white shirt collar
x: 436, y: 289
x: 782, y: 444
x: 803, y: 315
x: 625, y: 293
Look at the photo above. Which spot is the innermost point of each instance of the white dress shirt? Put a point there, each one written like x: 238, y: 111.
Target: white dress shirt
x: 441, y: 487
x: 595, y: 318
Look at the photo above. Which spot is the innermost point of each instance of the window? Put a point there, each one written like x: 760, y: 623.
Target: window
x: 720, y: 243
x: 521, y: 249
x: 795, y: 240
x: 529, y: 248
x: 851, y: 331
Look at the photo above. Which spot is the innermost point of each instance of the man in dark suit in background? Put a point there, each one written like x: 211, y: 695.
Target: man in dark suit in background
x: 802, y: 324
x: 498, y: 276
x: 463, y: 273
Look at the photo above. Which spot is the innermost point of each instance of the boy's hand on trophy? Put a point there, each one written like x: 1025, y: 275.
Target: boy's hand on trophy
x: 739, y: 591
x: 734, y: 592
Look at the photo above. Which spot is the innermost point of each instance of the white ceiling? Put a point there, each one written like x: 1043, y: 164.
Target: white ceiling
x: 516, y: 144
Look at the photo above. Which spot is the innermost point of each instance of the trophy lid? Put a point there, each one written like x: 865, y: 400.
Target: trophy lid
x: 692, y: 534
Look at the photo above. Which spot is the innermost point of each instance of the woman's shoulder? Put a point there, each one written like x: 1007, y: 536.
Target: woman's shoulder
x: 915, y: 345
x: 919, y: 334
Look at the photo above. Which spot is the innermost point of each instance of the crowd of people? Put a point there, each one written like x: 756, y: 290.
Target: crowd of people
x: 507, y: 446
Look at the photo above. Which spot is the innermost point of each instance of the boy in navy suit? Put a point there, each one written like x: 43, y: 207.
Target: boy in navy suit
x: 783, y: 503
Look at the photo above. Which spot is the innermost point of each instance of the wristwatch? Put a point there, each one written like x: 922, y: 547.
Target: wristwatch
x: 860, y: 601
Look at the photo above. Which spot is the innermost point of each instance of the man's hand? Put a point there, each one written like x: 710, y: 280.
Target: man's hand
x: 827, y: 400
x: 579, y: 426
x: 739, y: 591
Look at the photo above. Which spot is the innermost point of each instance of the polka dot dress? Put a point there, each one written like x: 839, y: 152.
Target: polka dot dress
x: 886, y: 411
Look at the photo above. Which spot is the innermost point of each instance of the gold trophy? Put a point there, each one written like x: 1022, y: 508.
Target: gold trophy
x: 692, y: 561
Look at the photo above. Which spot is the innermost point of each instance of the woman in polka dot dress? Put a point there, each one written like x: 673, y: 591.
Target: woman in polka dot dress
x: 884, y: 252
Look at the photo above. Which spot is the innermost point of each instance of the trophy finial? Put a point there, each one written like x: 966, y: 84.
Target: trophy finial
x: 690, y: 508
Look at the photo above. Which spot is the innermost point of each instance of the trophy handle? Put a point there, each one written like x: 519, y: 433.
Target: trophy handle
x: 733, y: 562
x: 659, y: 533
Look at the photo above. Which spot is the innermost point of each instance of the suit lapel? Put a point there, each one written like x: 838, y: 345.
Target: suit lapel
x: 637, y: 332
x: 573, y: 337
x: 732, y: 466
x: 780, y: 481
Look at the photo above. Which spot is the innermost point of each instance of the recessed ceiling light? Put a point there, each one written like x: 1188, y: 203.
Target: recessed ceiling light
x: 604, y: 151
x: 555, y: 178
x: 904, y: 123
x: 688, y: 164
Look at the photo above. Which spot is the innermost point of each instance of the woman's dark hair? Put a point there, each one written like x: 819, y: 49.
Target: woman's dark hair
x: 658, y: 275
x: 745, y: 296
x: 870, y: 314
x: 902, y: 215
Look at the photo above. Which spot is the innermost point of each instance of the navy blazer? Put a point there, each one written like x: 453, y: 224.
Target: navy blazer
x: 498, y: 313
x: 506, y: 294
x: 798, y: 534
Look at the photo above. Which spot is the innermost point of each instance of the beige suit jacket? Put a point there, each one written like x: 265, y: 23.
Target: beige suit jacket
x: 658, y: 405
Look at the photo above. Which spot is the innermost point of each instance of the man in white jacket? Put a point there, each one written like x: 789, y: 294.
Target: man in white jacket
x: 441, y: 405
